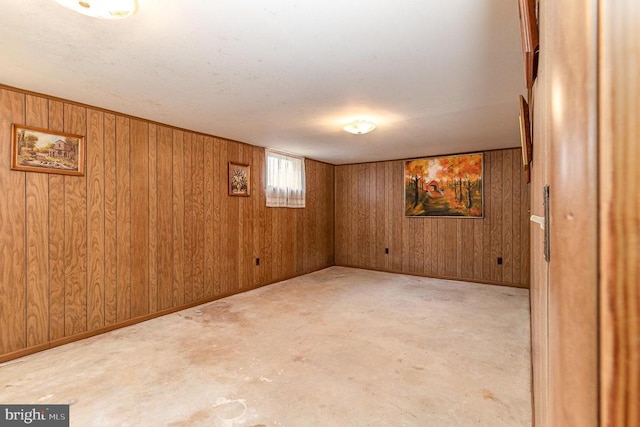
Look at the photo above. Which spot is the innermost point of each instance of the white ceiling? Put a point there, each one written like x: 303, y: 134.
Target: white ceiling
x: 438, y: 76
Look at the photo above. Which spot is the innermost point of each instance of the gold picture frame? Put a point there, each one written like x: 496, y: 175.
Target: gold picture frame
x: 239, y: 179
x: 530, y: 39
x: 525, y: 134
x: 41, y: 150
x: 445, y: 186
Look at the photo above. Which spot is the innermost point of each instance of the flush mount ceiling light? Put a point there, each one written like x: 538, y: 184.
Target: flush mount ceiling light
x: 359, y: 127
x: 104, y: 9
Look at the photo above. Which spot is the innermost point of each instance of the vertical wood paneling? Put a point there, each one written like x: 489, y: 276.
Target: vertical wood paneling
x: 245, y: 277
x: 165, y: 218
x: 259, y: 201
x: 349, y: 212
x: 417, y: 236
x: 525, y: 230
x: 489, y: 213
x: 443, y: 241
x: 397, y: 209
x: 37, y: 197
x: 459, y: 248
x: 507, y: 216
x: 620, y: 214
x: 56, y: 236
x: 495, y: 194
x: 12, y: 231
x: 188, y: 216
x: 371, y: 214
x: 467, y: 249
x: 178, y: 218
x: 459, y: 240
x: 123, y: 212
x: 519, y: 184
x: 388, y: 213
x: 85, y: 253
x: 451, y: 243
x: 340, y: 194
x: 428, y: 244
x: 219, y: 265
x: 153, y: 218
x: 309, y: 245
x: 405, y: 248
x: 75, y: 236
x: 539, y: 267
x: 379, y: 206
x: 573, y: 207
x: 96, y: 220
x: 233, y: 224
x: 198, y: 192
x: 478, y: 250
x: 139, y: 167
x: 209, y: 227
x: 327, y: 189
x: 110, y: 222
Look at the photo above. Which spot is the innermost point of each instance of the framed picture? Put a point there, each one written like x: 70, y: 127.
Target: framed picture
x: 42, y: 150
x: 448, y: 186
x: 525, y: 134
x: 239, y: 179
x: 530, y: 41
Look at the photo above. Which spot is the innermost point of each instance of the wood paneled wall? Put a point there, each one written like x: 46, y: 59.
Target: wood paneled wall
x: 540, y: 176
x: 619, y: 243
x: 564, y: 291
x: 370, y: 218
x: 148, y: 229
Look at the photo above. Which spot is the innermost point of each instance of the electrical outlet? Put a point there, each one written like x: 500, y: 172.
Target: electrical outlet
x: 499, y: 260
x: 386, y: 251
x: 257, y: 261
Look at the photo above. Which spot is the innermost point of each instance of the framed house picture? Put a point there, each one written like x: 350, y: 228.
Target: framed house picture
x: 41, y: 150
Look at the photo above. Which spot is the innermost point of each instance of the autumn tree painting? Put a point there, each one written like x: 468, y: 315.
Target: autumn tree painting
x: 444, y: 186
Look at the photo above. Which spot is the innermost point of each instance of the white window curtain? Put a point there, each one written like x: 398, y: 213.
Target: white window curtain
x: 285, y: 180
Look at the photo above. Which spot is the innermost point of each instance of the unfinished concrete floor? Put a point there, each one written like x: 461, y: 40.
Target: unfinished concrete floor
x: 339, y: 347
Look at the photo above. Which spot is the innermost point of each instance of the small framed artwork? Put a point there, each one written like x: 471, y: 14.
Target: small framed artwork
x: 525, y: 135
x: 530, y: 40
x: 41, y: 150
x: 239, y: 179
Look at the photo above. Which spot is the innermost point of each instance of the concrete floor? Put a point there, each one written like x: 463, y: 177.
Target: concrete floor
x: 339, y: 347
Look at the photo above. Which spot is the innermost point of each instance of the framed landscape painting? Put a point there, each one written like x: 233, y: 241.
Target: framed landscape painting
x: 448, y: 186
x: 41, y: 150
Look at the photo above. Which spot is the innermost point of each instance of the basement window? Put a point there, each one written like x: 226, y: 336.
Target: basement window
x: 285, y: 180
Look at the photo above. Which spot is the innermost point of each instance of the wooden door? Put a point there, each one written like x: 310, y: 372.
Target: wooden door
x: 586, y: 302
x: 565, y: 291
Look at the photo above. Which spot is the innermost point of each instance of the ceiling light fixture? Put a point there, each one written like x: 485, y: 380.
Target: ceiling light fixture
x: 359, y: 127
x: 104, y: 9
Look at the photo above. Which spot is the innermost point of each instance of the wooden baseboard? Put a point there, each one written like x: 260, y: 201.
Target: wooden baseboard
x: 83, y: 335
x: 458, y: 279
x: 77, y: 337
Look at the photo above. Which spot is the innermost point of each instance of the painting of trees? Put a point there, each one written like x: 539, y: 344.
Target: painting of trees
x: 414, y: 173
x: 444, y: 186
x: 41, y: 150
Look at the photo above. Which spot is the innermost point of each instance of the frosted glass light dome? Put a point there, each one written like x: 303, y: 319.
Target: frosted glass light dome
x: 359, y: 127
x: 104, y: 9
